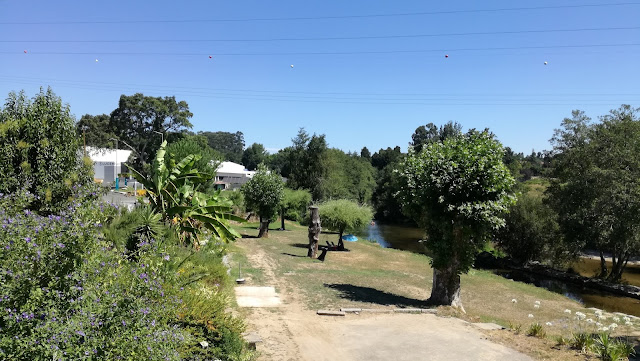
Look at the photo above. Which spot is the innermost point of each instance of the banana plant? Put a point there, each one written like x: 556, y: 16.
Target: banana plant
x: 175, y: 192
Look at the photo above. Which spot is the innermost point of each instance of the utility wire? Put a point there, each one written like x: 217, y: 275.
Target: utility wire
x: 334, y: 17
x: 324, y: 38
x: 320, y: 53
x: 262, y: 91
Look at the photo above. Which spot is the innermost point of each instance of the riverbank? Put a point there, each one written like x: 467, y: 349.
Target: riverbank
x: 373, y: 277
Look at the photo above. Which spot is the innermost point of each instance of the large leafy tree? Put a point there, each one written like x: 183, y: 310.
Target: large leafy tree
x: 344, y: 215
x: 39, y: 149
x: 348, y: 176
x: 230, y: 145
x: 457, y: 190
x: 263, y: 195
x: 254, y: 155
x: 306, y: 163
x: 138, y: 117
x: 96, y: 130
x: 596, y: 185
x: 430, y: 133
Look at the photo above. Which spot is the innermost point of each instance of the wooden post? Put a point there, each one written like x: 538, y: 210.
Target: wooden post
x: 314, y: 232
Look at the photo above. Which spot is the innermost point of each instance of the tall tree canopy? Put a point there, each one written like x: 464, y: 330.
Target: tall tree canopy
x: 263, y: 195
x: 348, y: 176
x: 596, y: 185
x: 254, y: 155
x: 96, y: 129
x: 230, y: 145
x: 306, y: 162
x: 430, y: 133
x: 39, y: 149
x: 138, y: 117
x: 457, y: 190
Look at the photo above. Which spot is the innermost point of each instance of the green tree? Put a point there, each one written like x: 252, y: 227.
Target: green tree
x: 39, y: 150
x: 348, y: 176
x: 457, y: 190
x: 429, y: 133
x: 254, y: 155
x: 596, y: 185
x: 384, y: 199
x: 208, y: 161
x: 96, y: 129
x: 366, y: 154
x: 294, y: 205
x: 344, y: 215
x: 306, y: 163
x: 263, y: 195
x: 531, y: 232
x: 230, y: 145
x: 139, y: 117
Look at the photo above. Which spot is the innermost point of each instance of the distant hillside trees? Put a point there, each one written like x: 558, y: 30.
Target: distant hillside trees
x: 254, y: 155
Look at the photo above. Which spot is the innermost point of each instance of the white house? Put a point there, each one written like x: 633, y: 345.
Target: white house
x: 104, y: 162
x: 232, y: 175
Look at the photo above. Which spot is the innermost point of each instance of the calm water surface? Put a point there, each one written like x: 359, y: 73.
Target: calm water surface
x: 406, y: 238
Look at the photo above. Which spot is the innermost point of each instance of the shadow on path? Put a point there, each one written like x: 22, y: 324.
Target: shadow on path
x: 371, y: 295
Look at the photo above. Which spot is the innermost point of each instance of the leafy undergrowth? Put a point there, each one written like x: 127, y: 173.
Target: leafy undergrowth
x: 95, y: 283
x: 369, y: 276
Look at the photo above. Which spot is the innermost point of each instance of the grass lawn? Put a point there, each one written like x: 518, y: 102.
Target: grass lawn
x: 373, y: 277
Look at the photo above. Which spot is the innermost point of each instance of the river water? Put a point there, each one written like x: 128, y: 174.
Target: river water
x: 406, y: 238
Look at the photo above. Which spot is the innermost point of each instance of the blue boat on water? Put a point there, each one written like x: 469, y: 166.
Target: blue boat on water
x: 349, y: 238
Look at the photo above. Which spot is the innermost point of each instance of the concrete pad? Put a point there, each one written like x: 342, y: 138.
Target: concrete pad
x: 488, y: 326
x: 249, y: 296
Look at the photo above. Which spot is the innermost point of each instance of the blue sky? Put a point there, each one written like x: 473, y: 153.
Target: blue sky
x: 360, y: 92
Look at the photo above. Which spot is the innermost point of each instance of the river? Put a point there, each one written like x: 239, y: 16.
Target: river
x: 406, y: 238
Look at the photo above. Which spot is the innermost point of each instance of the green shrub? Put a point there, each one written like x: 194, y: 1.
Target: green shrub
x: 39, y: 150
x: 536, y: 330
x: 295, y: 204
x: 608, y: 348
x: 582, y: 341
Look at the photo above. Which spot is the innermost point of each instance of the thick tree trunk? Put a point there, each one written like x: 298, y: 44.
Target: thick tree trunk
x: 446, y: 287
x: 264, y: 228
x: 314, y: 232
x: 603, y: 266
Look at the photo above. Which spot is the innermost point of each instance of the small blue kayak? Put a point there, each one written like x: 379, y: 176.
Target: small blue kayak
x: 349, y: 238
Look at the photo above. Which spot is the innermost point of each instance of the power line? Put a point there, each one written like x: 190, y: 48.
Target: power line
x: 334, y: 17
x: 346, y: 100
x: 321, y: 53
x: 325, y: 38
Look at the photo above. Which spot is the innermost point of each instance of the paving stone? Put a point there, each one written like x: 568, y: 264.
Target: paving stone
x: 330, y: 313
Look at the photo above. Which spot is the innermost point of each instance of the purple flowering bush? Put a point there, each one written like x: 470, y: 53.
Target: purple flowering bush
x: 66, y: 293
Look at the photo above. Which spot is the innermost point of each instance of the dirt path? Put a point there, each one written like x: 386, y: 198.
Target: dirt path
x: 292, y: 333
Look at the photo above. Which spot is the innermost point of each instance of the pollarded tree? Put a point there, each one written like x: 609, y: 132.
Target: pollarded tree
x: 263, y: 195
x: 344, y: 215
x: 456, y: 190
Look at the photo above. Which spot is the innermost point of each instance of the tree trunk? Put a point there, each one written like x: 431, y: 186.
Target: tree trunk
x: 340, y: 242
x: 314, y: 232
x: 282, y: 219
x: 603, y: 266
x: 264, y: 228
x: 446, y: 287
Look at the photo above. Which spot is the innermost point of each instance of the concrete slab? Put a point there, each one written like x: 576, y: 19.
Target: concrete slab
x: 250, y: 296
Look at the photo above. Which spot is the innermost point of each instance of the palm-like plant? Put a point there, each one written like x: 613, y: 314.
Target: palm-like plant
x: 174, y: 192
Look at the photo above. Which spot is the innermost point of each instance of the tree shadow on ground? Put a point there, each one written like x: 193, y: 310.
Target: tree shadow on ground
x: 300, y: 245
x: 372, y: 295
x: 248, y: 236
x: 293, y: 255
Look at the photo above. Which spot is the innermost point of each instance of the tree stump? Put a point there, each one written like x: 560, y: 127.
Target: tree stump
x: 314, y: 232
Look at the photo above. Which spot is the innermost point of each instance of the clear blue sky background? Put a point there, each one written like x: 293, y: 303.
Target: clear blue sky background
x: 361, y: 98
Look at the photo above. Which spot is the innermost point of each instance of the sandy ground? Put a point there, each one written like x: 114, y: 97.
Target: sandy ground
x: 292, y: 333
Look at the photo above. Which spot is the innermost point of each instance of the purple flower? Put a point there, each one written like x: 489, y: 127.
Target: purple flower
x: 81, y: 333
